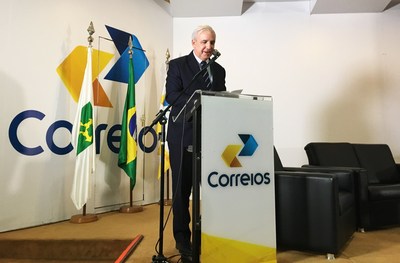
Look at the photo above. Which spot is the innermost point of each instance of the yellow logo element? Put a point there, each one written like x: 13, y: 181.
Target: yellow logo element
x: 231, y: 151
x: 229, y: 155
x: 85, y: 133
x: 71, y: 72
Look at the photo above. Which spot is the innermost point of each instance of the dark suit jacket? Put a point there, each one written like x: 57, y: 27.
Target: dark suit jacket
x: 180, y: 74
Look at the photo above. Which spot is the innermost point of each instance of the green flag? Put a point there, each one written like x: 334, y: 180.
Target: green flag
x: 128, y: 147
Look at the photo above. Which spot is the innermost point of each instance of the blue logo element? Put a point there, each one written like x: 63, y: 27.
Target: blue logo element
x: 120, y: 72
x: 250, y: 145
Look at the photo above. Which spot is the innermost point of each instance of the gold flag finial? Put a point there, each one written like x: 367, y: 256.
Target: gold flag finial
x: 130, y: 47
x: 167, y: 56
x: 91, y: 31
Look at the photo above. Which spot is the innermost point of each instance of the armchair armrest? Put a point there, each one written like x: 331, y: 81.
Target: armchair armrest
x: 361, y: 183
x: 344, y: 175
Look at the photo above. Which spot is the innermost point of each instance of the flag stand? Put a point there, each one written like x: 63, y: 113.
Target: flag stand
x: 131, y: 208
x: 86, y: 218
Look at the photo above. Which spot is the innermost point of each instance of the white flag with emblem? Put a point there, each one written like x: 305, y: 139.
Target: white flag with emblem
x: 83, y: 138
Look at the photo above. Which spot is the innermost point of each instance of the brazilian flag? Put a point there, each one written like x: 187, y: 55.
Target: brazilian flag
x: 128, y: 148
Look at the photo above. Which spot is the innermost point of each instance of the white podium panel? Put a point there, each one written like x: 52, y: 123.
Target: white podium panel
x: 237, y: 180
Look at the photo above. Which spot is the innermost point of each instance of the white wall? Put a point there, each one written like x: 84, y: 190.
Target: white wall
x: 36, y: 37
x: 332, y: 77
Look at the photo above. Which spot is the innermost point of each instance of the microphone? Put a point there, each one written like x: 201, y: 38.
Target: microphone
x: 216, y: 53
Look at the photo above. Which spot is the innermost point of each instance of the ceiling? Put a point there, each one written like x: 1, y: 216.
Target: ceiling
x: 205, y: 8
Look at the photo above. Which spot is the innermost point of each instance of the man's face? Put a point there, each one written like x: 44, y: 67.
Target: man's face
x: 203, y: 45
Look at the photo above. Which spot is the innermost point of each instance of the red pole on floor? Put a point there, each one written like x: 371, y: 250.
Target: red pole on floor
x: 130, y: 248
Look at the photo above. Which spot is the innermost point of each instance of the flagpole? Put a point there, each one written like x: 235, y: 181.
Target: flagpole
x: 168, y: 200
x: 84, y: 217
x: 131, y: 208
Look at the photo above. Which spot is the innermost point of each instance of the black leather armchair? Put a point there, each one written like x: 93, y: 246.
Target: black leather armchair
x: 377, y: 178
x: 315, y: 208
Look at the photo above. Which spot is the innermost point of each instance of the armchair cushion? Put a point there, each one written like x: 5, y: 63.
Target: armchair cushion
x: 381, y: 192
x: 379, y: 161
x: 331, y: 154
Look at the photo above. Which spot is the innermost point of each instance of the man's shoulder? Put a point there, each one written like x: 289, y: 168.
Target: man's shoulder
x: 181, y: 59
x: 178, y: 61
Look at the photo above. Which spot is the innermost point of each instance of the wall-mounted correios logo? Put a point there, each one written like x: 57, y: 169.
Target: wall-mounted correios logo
x: 247, y: 149
x: 72, y: 69
x: 230, y: 156
x: 71, y: 72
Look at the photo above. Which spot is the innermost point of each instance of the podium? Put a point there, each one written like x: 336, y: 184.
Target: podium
x: 233, y: 199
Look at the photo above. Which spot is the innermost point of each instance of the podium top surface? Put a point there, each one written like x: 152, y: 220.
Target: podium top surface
x: 193, y: 102
x: 233, y: 94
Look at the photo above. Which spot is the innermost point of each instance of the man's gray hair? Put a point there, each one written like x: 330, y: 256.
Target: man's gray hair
x: 200, y: 29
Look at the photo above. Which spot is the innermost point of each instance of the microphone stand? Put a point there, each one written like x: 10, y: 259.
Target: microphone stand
x: 160, y: 118
x: 160, y: 256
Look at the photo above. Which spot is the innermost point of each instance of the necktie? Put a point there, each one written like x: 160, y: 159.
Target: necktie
x: 206, y: 76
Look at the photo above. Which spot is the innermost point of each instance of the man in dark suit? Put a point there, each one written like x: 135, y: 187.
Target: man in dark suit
x: 180, y: 133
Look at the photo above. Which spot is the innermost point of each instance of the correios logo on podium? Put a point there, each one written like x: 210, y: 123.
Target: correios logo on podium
x: 230, y: 156
x: 231, y: 151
